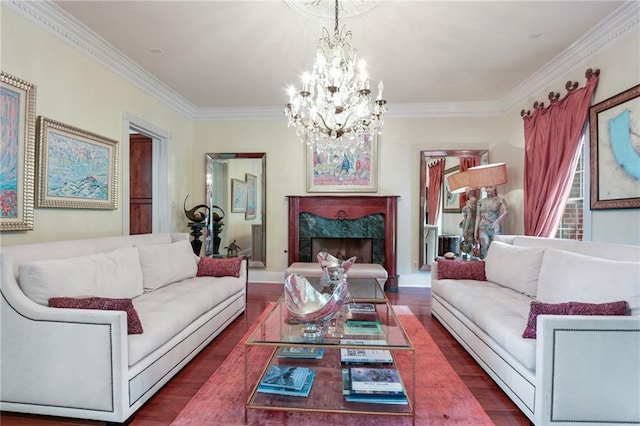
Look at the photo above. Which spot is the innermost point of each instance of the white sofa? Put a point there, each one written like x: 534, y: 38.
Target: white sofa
x: 83, y: 363
x: 580, y: 370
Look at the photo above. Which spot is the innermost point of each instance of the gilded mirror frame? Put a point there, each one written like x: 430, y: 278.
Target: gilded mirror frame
x: 434, y: 154
x: 257, y: 260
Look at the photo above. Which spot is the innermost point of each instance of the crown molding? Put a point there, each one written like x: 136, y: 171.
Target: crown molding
x: 56, y: 21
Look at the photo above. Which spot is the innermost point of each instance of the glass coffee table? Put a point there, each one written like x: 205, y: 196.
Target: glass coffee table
x: 327, y: 394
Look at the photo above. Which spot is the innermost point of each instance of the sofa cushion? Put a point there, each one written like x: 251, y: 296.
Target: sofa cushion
x: 591, y: 279
x: 170, y: 310
x: 114, y: 274
x: 219, y: 267
x: 102, y: 303
x: 570, y: 308
x: 164, y: 264
x: 514, y: 267
x: 461, y: 269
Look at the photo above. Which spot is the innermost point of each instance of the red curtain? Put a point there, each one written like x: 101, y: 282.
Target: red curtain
x: 434, y: 191
x: 552, y: 139
x: 465, y: 163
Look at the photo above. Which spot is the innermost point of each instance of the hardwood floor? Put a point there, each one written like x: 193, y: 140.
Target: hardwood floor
x: 163, y: 408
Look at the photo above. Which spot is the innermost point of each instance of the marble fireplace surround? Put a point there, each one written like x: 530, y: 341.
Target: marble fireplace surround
x: 340, y: 216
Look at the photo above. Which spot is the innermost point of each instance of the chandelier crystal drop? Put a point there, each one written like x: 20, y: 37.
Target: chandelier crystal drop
x: 334, y: 110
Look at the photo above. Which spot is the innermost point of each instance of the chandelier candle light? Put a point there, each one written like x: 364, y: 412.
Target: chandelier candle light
x: 334, y: 111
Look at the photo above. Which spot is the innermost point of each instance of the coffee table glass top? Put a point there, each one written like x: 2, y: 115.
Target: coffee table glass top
x: 279, y: 328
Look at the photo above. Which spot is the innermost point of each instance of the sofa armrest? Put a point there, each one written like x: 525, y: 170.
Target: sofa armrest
x: 587, y: 370
x: 66, y: 358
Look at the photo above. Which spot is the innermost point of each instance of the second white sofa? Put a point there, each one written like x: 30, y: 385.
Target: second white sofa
x: 581, y: 369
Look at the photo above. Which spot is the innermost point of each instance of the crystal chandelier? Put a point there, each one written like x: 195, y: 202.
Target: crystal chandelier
x: 334, y: 110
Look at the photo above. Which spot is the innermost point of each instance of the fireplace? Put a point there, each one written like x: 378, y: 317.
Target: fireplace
x: 362, y: 226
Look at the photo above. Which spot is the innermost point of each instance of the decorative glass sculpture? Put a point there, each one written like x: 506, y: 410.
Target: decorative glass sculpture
x: 334, y: 269
x: 310, y: 306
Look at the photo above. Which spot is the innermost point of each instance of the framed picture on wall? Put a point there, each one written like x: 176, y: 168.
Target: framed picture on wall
x: 615, y: 162
x: 76, y: 169
x: 344, y: 171
x: 17, y: 152
x: 252, y: 185
x: 238, y: 196
x: 450, y: 202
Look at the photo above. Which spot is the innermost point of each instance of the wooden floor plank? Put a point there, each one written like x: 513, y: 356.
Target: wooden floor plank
x: 162, y: 409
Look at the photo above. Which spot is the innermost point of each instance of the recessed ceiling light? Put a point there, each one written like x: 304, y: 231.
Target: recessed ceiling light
x: 156, y: 50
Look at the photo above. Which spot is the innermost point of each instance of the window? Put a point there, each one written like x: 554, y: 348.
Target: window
x: 572, y: 224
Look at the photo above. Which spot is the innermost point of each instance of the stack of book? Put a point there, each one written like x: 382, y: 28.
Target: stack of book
x: 363, y: 327
x: 373, y: 385
x: 287, y: 380
x: 299, y: 352
x: 362, y: 311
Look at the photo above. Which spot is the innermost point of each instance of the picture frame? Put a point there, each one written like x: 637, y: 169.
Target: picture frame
x: 450, y: 201
x: 252, y: 187
x: 329, y: 171
x: 614, y: 163
x: 76, y: 169
x: 238, y: 196
x: 17, y: 153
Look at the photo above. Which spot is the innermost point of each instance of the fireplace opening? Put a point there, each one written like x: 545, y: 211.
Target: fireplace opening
x: 344, y: 248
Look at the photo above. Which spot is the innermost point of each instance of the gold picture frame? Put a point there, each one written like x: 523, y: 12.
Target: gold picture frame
x: 344, y: 171
x: 77, y: 169
x: 18, y: 117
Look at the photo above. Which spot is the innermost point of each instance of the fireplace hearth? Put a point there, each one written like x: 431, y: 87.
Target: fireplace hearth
x: 362, y: 226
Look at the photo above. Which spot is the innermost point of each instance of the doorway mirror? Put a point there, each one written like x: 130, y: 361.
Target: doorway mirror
x: 235, y: 189
x: 449, y: 221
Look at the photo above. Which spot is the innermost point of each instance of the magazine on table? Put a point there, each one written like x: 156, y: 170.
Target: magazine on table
x: 373, y: 342
x: 303, y: 392
x: 399, y: 398
x: 286, y: 377
x: 358, y: 356
x: 300, y: 352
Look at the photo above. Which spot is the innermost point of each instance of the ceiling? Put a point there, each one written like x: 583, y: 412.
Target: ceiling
x: 244, y: 54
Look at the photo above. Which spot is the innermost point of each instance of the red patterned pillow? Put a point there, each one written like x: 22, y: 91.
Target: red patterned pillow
x: 461, y: 269
x: 570, y: 308
x: 134, y: 326
x: 219, y: 267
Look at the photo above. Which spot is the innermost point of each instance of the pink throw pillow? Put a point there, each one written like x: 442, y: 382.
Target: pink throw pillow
x: 461, y: 269
x: 570, y: 308
x: 219, y: 267
x: 134, y: 326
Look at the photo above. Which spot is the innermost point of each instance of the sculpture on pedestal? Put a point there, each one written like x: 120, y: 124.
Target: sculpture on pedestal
x: 197, y: 219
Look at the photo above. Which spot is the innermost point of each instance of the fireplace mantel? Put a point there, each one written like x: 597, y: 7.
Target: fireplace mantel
x: 348, y: 207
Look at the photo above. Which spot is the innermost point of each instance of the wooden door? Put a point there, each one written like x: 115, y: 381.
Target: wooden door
x: 140, y: 184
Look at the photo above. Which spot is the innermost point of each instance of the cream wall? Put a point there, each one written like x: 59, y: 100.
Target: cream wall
x: 73, y: 89
x: 620, y: 70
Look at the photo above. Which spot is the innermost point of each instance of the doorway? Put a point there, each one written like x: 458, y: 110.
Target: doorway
x: 140, y: 184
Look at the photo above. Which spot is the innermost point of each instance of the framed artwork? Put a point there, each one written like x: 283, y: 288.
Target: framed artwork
x: 252, y: 186
x: 17, y: 153
x: 615, y: 157
x: 450, y: 202
x: 329, y: 171
x: 76, y: 169
x: 238, y: 196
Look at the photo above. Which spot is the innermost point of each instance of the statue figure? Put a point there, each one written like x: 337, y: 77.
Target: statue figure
x: 491, y: 212
x: 469, y: 212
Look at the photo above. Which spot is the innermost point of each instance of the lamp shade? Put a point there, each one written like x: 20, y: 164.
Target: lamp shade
x: 458, y: 182
x: 487, y: 175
